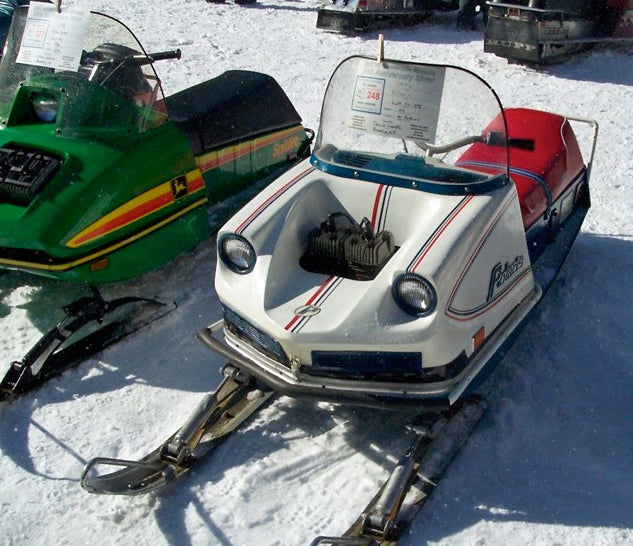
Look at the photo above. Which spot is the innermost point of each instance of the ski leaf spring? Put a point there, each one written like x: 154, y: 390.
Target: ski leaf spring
x: 217, y: 415
x: 51, y: 355
x: 437, y: 441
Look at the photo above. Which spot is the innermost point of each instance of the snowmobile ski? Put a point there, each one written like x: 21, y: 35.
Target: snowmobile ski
x: 56, y: 351
x: 438, y: 439
x: 216, y: 416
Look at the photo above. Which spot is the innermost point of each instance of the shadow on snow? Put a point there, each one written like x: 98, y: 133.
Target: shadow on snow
x: 554, y: 448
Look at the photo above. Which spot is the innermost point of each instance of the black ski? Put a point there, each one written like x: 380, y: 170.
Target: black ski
x: 437, y: 441
x: 56, y: 351
x: 216, y: 416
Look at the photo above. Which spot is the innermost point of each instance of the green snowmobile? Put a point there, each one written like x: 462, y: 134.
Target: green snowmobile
x: 103, y: 178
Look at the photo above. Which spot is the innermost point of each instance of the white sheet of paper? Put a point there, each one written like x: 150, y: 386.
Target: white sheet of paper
x: 402, y: 101
x: 53, y: 39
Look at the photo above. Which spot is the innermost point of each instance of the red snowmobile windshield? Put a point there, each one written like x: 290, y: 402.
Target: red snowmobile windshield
x: 114, y: 87
x: 416, y: 122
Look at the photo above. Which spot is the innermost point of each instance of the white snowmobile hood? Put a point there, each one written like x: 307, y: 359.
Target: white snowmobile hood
x: 435, y: 236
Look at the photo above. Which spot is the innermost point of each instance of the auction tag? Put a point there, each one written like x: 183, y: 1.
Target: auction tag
x: 397, y: 99
x: 53, y: 39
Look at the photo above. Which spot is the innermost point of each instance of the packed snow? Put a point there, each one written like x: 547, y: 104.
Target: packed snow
x: 552, y: 460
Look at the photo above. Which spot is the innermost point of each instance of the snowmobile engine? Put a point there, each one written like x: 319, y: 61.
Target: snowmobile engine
x: 340, y: 246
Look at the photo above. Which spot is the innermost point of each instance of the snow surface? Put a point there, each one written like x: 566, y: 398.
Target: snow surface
x: 550, y: 464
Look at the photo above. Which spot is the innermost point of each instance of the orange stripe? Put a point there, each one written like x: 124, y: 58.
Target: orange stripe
x: 126, y: 218
x: 220, y: 157
x: 149, y: 202
x: 84, y: 259
x: 196, y: 184
x: 135, y: 209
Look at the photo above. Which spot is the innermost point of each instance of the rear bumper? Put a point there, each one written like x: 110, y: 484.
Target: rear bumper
x: 513, y: 39
x: 339, y: 21
x: 347, y: 21
x: 539, y: 36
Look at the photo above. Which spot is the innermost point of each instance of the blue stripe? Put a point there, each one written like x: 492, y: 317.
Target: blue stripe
x: 472, y: 187
x: 516, y: 170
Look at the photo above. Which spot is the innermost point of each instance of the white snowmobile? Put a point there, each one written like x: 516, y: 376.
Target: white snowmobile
x: 393, y: 269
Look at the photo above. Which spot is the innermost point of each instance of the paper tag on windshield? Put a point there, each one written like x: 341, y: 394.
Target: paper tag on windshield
x: 53, y: 39
x: 398, y: 99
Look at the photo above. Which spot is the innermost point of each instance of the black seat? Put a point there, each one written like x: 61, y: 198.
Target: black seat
x: 236, y: 105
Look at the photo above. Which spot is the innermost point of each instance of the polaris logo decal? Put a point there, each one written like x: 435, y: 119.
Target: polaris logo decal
x: 307, y: 311
x: 501, y: 274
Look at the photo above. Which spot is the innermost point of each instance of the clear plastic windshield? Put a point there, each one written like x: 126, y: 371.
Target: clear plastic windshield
x: 114, y: 87
x: 413, y: 121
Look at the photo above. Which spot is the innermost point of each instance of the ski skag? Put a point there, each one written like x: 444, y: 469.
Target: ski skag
x: 216, y: 416
x: 91, y: 324
x: 438, y: 439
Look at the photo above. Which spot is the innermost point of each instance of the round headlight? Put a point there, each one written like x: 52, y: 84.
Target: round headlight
x: 45, y: 106
x: 236, y: 253
x: 414, y: 294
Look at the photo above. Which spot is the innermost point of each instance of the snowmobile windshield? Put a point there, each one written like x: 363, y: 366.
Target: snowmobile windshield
x: 432, y: 127
x: 96, y: 81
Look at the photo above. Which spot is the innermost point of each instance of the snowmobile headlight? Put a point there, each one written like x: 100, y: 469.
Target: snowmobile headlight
x: 45, y: 106
x: 414, y: 294
x: 237, y: 253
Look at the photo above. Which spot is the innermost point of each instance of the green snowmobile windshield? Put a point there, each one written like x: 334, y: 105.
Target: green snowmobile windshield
x: 114, y: 88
